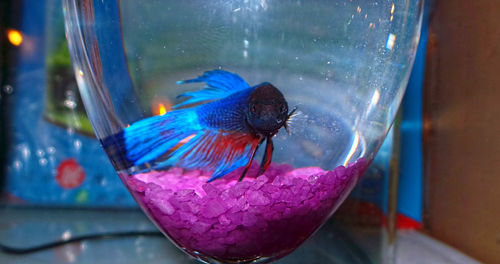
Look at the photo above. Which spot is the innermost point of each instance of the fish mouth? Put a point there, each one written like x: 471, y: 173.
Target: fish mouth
x: 267, y: 127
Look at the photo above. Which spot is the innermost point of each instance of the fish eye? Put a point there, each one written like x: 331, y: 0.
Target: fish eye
x: 253, y: 109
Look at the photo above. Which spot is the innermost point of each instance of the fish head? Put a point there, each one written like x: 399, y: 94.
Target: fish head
x: 267, y: 109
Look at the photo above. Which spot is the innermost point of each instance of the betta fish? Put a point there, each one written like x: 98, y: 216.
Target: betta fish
x: 218, y: 128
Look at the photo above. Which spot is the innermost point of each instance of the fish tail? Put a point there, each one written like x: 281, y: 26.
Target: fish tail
x: 151, y: 139
x: 115, y: 148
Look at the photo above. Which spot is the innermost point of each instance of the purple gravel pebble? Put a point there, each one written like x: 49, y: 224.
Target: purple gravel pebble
x: 213, y: 208
x: 233, y: 220
x: 258, y: 198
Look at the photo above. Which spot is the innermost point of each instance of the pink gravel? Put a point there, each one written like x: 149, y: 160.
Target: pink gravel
x: 270, y: 215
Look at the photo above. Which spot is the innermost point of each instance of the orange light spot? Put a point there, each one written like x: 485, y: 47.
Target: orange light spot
x: 180, y: 143
x: 162, y: 109
x: 160, y: 106
x: 186, y: 139
x: 15, y: 37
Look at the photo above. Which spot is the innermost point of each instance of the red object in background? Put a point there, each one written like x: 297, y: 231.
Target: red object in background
x: 70, y: 174
x: 405, y: 222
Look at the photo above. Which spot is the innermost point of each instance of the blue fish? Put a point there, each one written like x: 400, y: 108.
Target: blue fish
x: 218, y: 128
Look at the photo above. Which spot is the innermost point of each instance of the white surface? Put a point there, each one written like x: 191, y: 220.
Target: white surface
x: 333, y: 244
x: 414, y: 247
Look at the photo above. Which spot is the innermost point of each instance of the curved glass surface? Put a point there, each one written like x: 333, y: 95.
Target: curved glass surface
x: 341, y: 68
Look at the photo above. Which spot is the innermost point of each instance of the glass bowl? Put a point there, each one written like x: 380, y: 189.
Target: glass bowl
x: 239, y: 127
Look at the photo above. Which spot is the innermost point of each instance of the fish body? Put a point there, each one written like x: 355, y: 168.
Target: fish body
x: 220, y: 133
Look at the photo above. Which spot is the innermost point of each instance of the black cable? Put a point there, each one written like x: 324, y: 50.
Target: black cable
x: 49, y: 245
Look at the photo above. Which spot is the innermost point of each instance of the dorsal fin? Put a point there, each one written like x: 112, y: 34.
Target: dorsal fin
x: 220, y: 84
